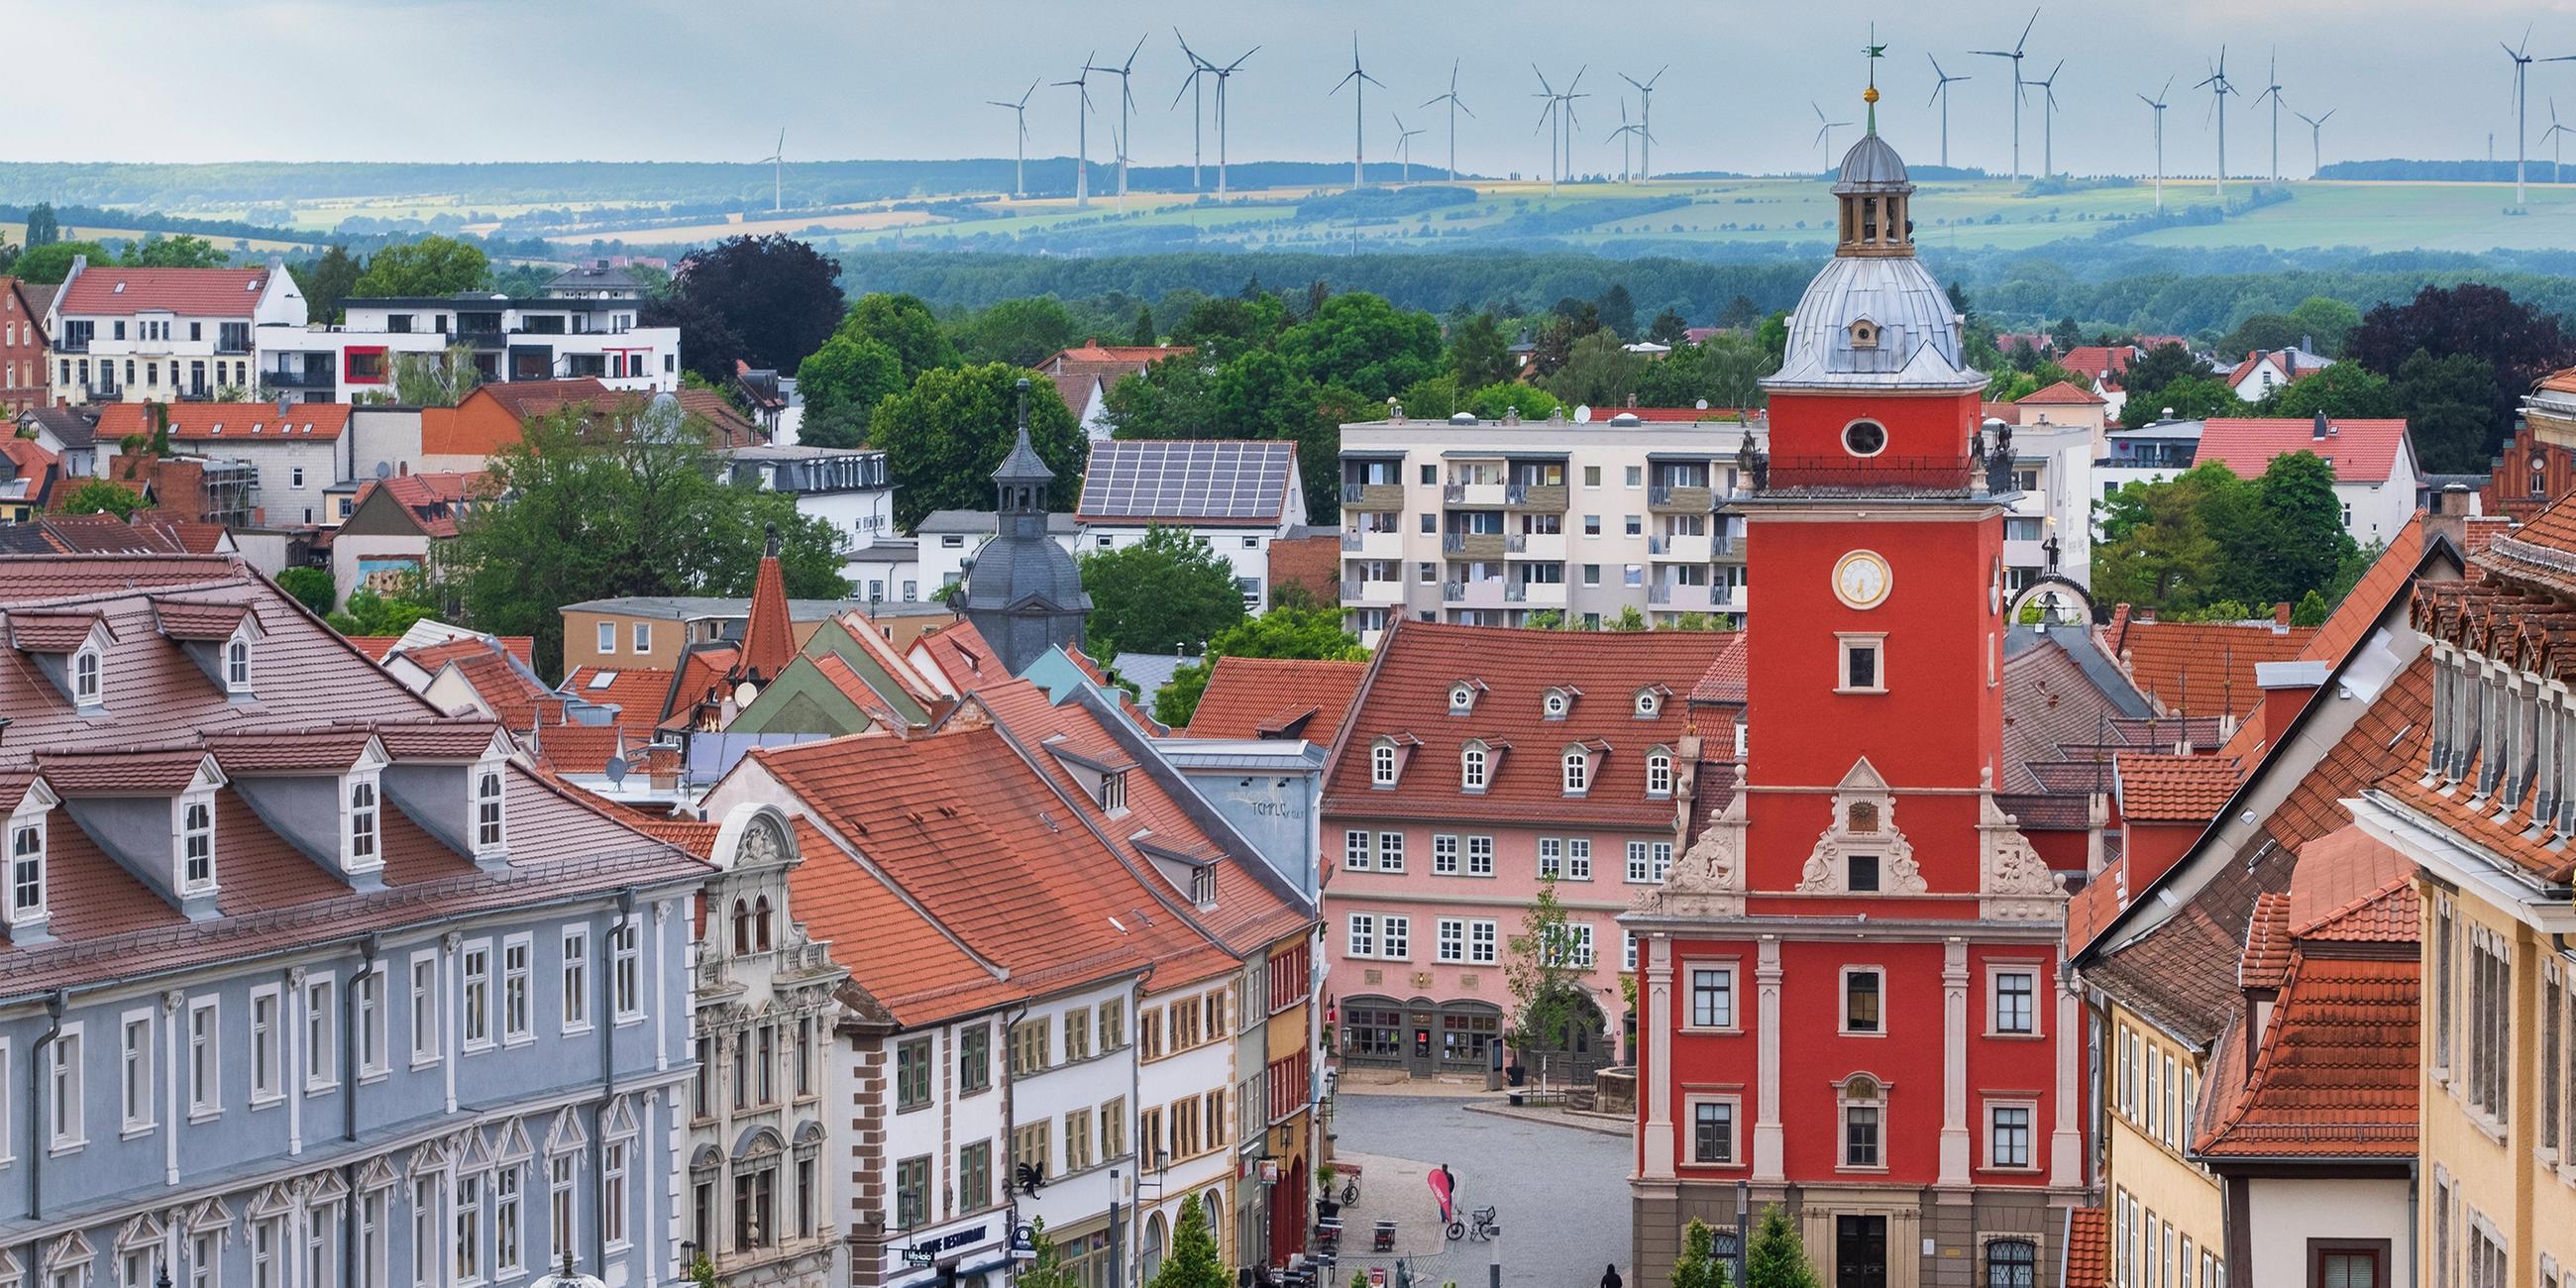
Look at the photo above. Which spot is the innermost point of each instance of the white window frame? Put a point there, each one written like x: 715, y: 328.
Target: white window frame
x: 1357, y: 856
x: 362, y: 808
x: 1444, y: 854
x: 88, y: 670
x: 1395, y: 937
x: 1847, y: 643
x: 1390, y: 851
x: 267, y: 1046
x: 1578, y: 858
x: 192, y: 830
x: 626, y: 969
x: 574, y: 963
x: 1475, y: 767
x: 237, y: 663
x: 321, y: 1033
x: 1576, y: 766
x: 518, y: 990
x: 205, y: 1058
x: 374, y: 1030
x: 33, y: 880
x: 6, y: 1083
x: 1996, y: 974
x: 67, y: 1089
x: 615, y: 1160
x: 607, y: 640
x: 1731, y: 1020
x: 1551, y: 857
x: 427, y: 1017
x: 2029, y: 1109
x: 1480, y: 856
x: 1359, y: 939
x: 1842, y: 1002
x: 1843, y: 1106
x: 1659, y: 774
x: 491, y: 809
x: 136, y: 1061
x: 1382, y: 764
x: 1484, y: 941
x: 1734, y: 1130
x: 475, y: 1022
x: 640, y: 638
x: 1450, y: 944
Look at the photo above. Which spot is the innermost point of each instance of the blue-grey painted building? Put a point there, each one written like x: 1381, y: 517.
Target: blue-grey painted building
x: 303, y: 984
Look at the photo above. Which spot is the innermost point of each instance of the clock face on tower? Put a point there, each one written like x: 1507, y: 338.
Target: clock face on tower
x: 1861, y: 579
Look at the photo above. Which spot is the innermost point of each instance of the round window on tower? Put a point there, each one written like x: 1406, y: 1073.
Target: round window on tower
x: 1864, y: 438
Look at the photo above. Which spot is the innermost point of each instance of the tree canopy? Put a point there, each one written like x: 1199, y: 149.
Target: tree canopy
x: 945, y: 434
x: 1776, y: 1257
x: 98, y: 496
x: 2207, y: 537
x: 1699, y: 1266
x: 1193, y: 1261
x: 433, y: 265
x: 590, y: 509
x: 1312, y: 631
x: 2518, y: 344
x: 766, y: 301
x: 1164, y: 594
x: 1363, y: 343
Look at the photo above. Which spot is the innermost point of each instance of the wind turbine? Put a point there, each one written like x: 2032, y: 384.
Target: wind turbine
x: 1825, y: 132
x: 1560, y: 113
x: 1020, y: 171
x: 1646, y: 119
x: 1547, y: 122
x: 1567, y: 121
x: 2219, y: 88
x: 2048, y: 119
x: 1404, y: 146
x: 1199, y: 68
x: 1126, y: 103
x: 1455, y: 107
x: 2016, y: 55
x: 1082, y: 134
x: 1627, y: 143
x: 1224, y: 74
x: 2317, y: 133
x: 2522, y: 61
x: 2158, y: 103
x: 778, y: 174
x: 2550, y: 137
x: 2272, y: 91
x: 1360, y: 81
x: 1941, y: 95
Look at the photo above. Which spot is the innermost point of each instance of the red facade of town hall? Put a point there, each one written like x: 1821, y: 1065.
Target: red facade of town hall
x: 1849, y: 987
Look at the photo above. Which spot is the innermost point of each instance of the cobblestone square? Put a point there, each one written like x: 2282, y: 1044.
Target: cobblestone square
x: 1560, y: 1193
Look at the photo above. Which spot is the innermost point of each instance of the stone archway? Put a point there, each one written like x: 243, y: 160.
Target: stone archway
x: 2063, y: 601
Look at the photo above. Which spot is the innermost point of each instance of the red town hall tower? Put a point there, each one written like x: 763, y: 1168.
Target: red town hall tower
x: 1850, y: 982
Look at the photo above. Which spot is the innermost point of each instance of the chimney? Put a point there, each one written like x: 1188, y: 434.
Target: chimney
x: 281, y: 405
x: 2281, y: 618
x: 2321, y: 429
x: 2448, y: 515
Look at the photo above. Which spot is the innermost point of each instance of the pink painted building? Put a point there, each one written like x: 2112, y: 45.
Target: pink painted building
x: 1478, y: 762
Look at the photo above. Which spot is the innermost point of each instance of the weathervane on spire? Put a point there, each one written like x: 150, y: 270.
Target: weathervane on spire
x: 1874, y: 51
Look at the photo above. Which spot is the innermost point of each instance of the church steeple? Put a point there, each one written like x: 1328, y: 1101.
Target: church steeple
x: 1876, y: 197
x: 1023, y: 590
x: 1020, y: 481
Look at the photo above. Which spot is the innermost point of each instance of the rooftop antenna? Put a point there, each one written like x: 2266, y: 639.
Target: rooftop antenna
x: 1646, y: 119
x: 2317, y: 130
x: 1404, y: 146
x: 1455, y: 107
x: 2550, y: 137
x: 2016, y: 55
x: 2048, y: 119
x: 2272, y: 91
x: 1941, y: 95
x: 1223, y: 75
x: 1082, y: 135
x: 1825, y: 132
x: 2522, y: 61
x: 778, y: 174
x: 1193, y: 86
x: 1360, y: 80
x: 2219, y: 88
x: 1019, y: 169
x: 1126, y: 104
x: 2158, y: 103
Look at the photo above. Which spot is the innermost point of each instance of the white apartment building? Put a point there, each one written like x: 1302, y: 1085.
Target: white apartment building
x: 1234, y: 497
x: 164, y: 334
x: 844, y: 487
x: 2053, y: 470
x: 1485, y: 522
x: 549, y: 338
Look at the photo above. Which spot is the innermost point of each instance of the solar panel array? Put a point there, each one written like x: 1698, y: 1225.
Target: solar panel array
x: 1182, y: 480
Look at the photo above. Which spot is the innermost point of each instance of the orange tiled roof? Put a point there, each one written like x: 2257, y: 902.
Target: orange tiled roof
x: 2088, y: 1248
x: 110, y: 290
x: 961, y: 655
x: 768, y: 638
x: 637, y: 692
x: 2204, y: 668
x: 2267, y: 943
x: 2160, y: 787
x: 1723, y: 683
x: 433, y: 500
x: 257, y: 422
x: 1268, y: 697
x: 2093, y: 361
x: 2061, y: 394
x: 2361, y: 450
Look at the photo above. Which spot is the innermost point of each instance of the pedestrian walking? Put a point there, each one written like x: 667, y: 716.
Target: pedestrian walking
x: 1610, y: 1276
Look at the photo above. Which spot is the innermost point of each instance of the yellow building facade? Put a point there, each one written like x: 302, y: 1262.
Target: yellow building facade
x: 2167, y: 1214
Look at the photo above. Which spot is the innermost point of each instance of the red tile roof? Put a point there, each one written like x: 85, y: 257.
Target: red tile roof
x: 1723, y: 683
x: 2158, y: 787
x: 1268, y: 697
x: 2267, y: 943
x: 961, y: 656
x: 2361, y: 451
x: 434, y: 500
x: 503, y: 683
x: 109, y: 290
x: 257, y: 422
x: 2204, y: 668
x: 1406, y: 699
x: 2060, y: 394
x: 768, y: 638
x: 637, y: 692
x: 2103, y: 364
x: 375, y: 646
x: 2088, y: 1248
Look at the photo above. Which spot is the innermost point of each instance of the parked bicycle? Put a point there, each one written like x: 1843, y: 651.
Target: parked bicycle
x: 1484, y: 1229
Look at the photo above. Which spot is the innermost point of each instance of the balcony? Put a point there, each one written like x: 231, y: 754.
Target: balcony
x: 232, y: 346
x: 1549, y: 497
x: 1536, y: 545
x: 1682, y: 549
x: 1373, y: 545
x: 1484, y: 592
x: 109, y: 392
x: 1726, y: 545
x: 1535, y: 594
x: 71, y: 346
x: 1372, y: 593
x: 1680, y: 499
x: 298, y: 380
x: 1673, y: 597
x: 1486, y: 495
x: 1791, y: 473
x: 1372, y: 496
x: 1472, y: 545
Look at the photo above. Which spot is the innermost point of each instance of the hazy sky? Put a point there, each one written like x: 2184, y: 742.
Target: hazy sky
x: 488, y: 80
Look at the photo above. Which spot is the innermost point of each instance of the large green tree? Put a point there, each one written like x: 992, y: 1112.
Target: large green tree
x: 592, y: 507
x: 2186, y: 398
x: 1598, y: 372
x: 906, y: 325
x: 766, y: 301
x: 1478, y: 353
x: 1776, y: 1257
x: 1166, y: 593
x: 42, y: 228
x: 1699, y: 1266
x: 943, y: 437
x: 2518, y: 343
x: 434, y: 265
x: 1363, y: 343
x: 157, y: 251
x: 842, y: 383
x: 1022, y: 332
x: 1284, y: 631
x: 98, y: 496
x: 2449, y: 405
x: 326, y: 280
x: 2346, y: 390
x: 50, y: 263
x: 1193, y: 1261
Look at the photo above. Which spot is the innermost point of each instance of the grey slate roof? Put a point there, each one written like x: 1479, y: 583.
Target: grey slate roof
x: 1149, y: 672
x: 1917, y: 332
x: 939, y: 521
x: 1186, y: 480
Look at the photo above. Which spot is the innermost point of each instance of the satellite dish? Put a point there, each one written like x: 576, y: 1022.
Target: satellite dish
x: 744, y: 692
x: 1583, y: 414
x: 1703, y: 404
x: 616, y: 770
x: 384, y: 469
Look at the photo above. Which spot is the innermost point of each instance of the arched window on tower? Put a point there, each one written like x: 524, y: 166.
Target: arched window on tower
x: 741, y: 928
x: 760, y: 924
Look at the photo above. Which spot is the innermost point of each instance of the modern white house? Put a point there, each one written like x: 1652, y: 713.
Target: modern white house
x: 2047, y: 526
x: 1233, y: 497
x: 2376, y: 475
x: 845, y: 487
x: 164, y: 334
x: 545, y: 338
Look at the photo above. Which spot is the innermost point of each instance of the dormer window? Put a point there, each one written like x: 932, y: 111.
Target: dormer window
x: 1649, y: 703
x: 1113, y: 791
x: 1864, y: 334
x: 237, y: 665
x: 1203, y: 885
x: 1555, y: 703
x: 26, y: 870
x: 1462, y: 698
x: 1473, y: 766
x: 1578, y: 771
x: 196, y: 844
x: 1659, y: 773
x: 490, y: 801
x: 87, y: 667
x: 362, y: 823
x: 1382, y: 764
